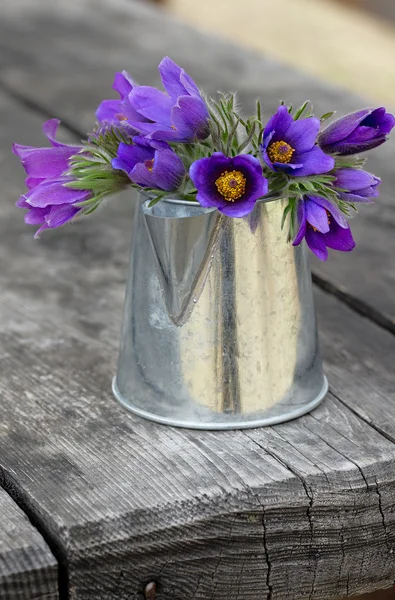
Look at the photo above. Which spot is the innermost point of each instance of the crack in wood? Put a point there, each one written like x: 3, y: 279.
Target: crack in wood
x: 358, y: 306
x: 382, y: 513
x: 363, y: 418
x: 11, y: 487
x: 268, y: 561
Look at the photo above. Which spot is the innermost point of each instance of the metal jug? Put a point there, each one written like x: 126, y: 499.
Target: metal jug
x: 219, y: 328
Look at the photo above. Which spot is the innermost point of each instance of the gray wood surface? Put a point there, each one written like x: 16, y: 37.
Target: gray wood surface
x: 28, y: 570
x: 302, y: 510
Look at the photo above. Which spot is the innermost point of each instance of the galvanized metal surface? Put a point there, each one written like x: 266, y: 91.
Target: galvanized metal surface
x: 219, y: 324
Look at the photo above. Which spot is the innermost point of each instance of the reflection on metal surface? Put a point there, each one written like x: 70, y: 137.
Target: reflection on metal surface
x: 182, y: 248
x: 219, y: 326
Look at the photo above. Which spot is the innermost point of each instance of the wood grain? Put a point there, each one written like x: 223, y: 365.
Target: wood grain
x: 28, y: 570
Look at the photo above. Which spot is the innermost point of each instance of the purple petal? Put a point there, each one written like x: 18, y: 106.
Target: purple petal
x: 279, y: 123
x: 355, y: 197
x: 166, y: 174
x: 152, y: 104
x: 341, y: 128
x: 32, y: 182
x: 380, y: 119
x: 50, y: 128
x: 302, y: 134
x: 339, y: 238
x: 189, y: 84
x: 317, y: 217
x: 128, y: 155
x: 238, y: 209
x: 362, y: 134
x: 168, y: 170
x: 45, y: 163
x: 204, y: 172
x: 36, y: 216
x: 315, y: 162
x: 108, y: 110
x: 331, y: 208
x: 289, y: 168
x: 42, y: 228
x: 21, y: 202
x: 170, y: 74
x: 257, y: 185
x: 387, y: 123
x: 54, y: 193
x: 301, y: 214
x: 123, y: 84
x: 175, y: 81
x: 345, y: 148
x: 190, y: 118
x: 355, y: 179
x: 59, y: 215
x: 316, y: 242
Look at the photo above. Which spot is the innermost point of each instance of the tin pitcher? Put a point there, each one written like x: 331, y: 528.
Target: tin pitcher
x: 219, y: 328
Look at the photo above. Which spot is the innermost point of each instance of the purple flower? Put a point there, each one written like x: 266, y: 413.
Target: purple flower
x: 233, y: 185
x: 120, y: 111
x: 361, y: 186
x: 357, y: 132
x: 180, y: 115
x: 289, y: 145
x: 150, y: 163
x: 323, y: 225
x: 49, y: 203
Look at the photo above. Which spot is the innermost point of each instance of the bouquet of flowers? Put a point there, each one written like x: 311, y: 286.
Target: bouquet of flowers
x: 179, y: 144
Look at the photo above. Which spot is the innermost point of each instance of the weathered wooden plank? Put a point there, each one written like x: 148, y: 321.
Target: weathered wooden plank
x: 58, y: 56
x: 303, y: 509
x: 28, y: 570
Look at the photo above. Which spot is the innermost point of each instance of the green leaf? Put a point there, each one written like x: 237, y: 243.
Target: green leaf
x: 231, y: 135
x: 304, y: 111
x: 291, y: 232
x: 349, y: 162
x: 327, y: 116
x: 247, y: 141
x: 285, y: 213
x: 156, y: 200
x: 259, y: 110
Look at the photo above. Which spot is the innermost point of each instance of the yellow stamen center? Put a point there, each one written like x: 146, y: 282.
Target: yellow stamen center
x: 149, y: 164
x: 231, y: 185
x: 280, y: 152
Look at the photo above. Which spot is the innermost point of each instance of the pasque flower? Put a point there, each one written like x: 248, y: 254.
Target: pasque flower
x: 357, y: 132
x: 232, y: 185
x: 49, y: 202
x: 361, y: 186
x: 323, y: 226
x: 120, y: 111
x: 150, y: 163
x: 290, y: 146
x: 179, y: 115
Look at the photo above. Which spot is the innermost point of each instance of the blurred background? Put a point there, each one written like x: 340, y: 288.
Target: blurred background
x: 353, y: 41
